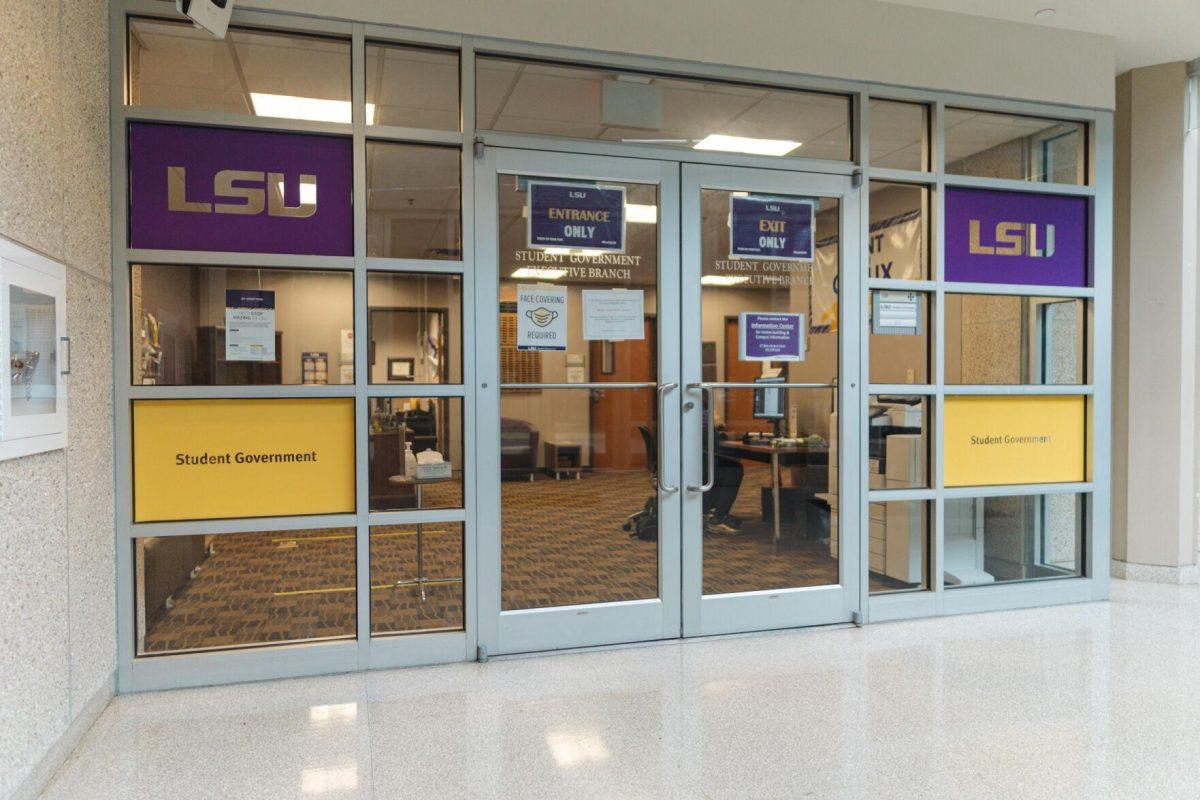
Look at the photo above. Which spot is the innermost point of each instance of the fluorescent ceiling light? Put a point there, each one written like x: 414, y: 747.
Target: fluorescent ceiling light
x: 540, y: 273
x: 310, y: 108
x: 746, y: 144
x: 723, y: 280
x: 635, y: 212
x: 557, y: 251
x: 308, y: 192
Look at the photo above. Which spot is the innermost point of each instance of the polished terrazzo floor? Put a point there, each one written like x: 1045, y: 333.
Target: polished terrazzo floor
x: 1086, y: 701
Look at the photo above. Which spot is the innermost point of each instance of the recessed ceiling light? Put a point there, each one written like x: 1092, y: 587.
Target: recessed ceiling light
x: 746, y: 144
x: 1045, y: 13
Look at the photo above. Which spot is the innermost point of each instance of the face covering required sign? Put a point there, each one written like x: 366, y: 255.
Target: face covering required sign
x: 217, y: 459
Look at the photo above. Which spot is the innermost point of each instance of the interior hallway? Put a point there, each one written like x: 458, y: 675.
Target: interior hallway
x: 1092, y: 700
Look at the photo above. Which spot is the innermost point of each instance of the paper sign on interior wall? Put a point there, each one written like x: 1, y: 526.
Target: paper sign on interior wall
x: 219, y: 459
x: 770, y: 337
x: 896, y: 313
x: 771, y: 228
x: 613, y: 314
x: 1013, y: 440
x: 249, y: 325
x: 541, y: 316
x: 577, y: 215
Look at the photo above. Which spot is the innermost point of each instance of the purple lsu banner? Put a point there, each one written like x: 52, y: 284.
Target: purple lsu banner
x: 1016, y: 237
x: 242, y: 191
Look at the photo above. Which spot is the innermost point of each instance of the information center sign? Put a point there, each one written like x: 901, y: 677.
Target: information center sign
x: 1013, y: 440
x: 577, y: 216
x: 771, y: 228
x: 1016, y: 238
x: 243, y: 191
x: 216, y: 459
x: 770, y: 337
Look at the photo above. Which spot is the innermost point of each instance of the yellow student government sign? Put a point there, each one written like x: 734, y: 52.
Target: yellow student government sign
x: 1001, y: 440
x: 212, y: 459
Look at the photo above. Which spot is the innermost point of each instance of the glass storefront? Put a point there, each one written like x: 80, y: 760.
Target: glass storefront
x: 610, y: 355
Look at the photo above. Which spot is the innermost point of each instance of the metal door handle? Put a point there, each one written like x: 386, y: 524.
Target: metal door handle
x: 66, y: 341
x: 662, y: 462
x: 710, y: 434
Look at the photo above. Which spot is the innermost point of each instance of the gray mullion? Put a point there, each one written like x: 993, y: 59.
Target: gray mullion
x: 415, y: 265
x: 216, y: 527
x: 1012, y: 184
x: 399, y: 133
x: 289, y: 23
x: 412, y: 517
x: 245, y: 392
x: 862, y: 152
x: 891, y: 175
x: 240, y: 260
x: 1017, y: 390
x: 1097, y: 533
x: 894, y: 495
x: 470, y: 338
x: 937, y: 252
x: 126, y: 622
x: 191, y: 116
x: 902, y: 388
x: 1018, y: 489
x: 416, y: 390
x: 362, y: 427
x: 901, y: 285
x: 659, y: 153
x: 414, y: 37
x: 1081, y: 292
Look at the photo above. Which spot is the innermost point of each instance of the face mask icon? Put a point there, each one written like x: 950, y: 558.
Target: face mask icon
x: 541, y: 316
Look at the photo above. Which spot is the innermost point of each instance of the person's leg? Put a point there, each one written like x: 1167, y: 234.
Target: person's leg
x: 726, y: 486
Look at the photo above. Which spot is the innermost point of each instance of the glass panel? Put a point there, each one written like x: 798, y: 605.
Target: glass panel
x: 898, y: 242
x: 596, y: 103
x: 1010, y: 339
x: 416, y: 577
x: 898, y: 442
x: 899, y: 135
x: 414, y: 201
x: 413, y: 87
x: 578, y: 508
x: 901, y: 340
x: 899, y: 546
x: 1018, y: 148
x: 289, y: 326
x: 257, y: 73
x: 579, y: 513
x: 770, y: 520
x: 415, y: 453
x: 237, y: 589
x: 33, y: 352
x: 771, y: 515
x: 1003, y: 539
x: 414, y: 324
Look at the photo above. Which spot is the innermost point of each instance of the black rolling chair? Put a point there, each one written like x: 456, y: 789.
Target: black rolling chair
x: 644, y: 522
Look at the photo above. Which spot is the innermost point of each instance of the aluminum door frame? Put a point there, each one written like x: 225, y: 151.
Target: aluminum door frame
x: 788, y: 607
x: 560, y: 627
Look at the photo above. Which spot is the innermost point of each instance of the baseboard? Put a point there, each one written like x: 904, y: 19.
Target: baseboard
x: 39, y: 777
x: 1155, y: 573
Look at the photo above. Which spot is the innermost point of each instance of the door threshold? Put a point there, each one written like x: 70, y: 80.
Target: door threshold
x: 676, y: 641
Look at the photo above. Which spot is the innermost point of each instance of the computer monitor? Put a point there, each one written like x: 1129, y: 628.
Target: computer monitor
x: 769, y: 403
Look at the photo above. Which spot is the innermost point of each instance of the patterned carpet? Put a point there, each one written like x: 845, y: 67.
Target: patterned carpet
x: 562, y: 544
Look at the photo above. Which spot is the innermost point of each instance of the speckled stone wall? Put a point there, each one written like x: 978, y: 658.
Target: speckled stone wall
x: 57, y: 617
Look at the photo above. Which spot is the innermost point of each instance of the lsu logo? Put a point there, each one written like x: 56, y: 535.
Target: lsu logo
x: 1014, y: 239
x: 257, y: 191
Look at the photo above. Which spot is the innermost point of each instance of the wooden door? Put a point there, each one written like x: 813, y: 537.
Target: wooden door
x: 616, y: 414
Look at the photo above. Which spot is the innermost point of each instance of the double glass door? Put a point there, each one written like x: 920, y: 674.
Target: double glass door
x: 666, y: 433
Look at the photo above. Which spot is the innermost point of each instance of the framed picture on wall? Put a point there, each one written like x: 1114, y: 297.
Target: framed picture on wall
x: 401, y: 369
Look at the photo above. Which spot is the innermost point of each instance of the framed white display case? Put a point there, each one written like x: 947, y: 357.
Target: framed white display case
x: 34, y: 350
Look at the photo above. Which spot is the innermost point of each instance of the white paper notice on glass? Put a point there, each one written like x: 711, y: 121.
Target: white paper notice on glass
x: 897, y: 313
x: 541, y: 316
x: 249, y: 325
x: 613, y: 314
x: 576, y: 375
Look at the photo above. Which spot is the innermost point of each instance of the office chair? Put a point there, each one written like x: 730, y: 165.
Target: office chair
x: 644, y: 522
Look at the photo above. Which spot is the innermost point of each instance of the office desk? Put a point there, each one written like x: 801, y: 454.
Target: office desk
x: 777, y: 457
